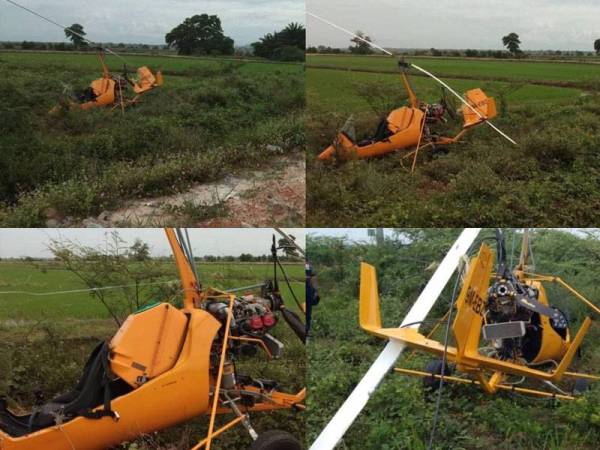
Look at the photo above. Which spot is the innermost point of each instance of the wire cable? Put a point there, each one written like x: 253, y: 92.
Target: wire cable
x: 106, y: 49
x: 444, y: 359
x: 78, y: 291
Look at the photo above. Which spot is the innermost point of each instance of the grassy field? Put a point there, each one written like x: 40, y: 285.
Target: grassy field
x: 549, y: 179
x: 210, y: 119
x: 44, y: 342
x: 48, y: 277
x: 564, y: 72
x: 399, y: 415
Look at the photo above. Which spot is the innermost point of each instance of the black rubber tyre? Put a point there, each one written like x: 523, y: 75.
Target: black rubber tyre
x: 431, y: 384
x: 581, y: 386
x: 276, y: 440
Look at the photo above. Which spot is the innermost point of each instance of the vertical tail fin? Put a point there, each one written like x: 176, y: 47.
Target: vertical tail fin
x: 486, y: 106
x: 369, y: 313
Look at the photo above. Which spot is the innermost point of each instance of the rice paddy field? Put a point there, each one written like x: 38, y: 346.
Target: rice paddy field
x: 45, y: 340
x: 551, y: 177
x: 212, y: 119
x: 535, y: 71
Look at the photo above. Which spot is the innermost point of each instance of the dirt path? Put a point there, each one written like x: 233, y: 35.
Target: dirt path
x: 259, y: 198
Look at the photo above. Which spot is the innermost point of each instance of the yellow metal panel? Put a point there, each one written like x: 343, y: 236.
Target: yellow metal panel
x: 553, y: 345
x: 147, y: 344
x: 171, y: 398
x: 471, y: 303
x: 486, y: 106
x: 369, y: 313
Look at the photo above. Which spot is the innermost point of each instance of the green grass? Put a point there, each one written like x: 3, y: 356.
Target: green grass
x: 211, y: 118
x: 547, y: 179
x: 333, y: 91
x: 399, y: 415
x: 50, y: 277
x: 457, y: 68
x: 45, y: 341
x: 89, y: 64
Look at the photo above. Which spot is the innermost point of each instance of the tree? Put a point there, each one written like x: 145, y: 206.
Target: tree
x: 246, y: 257
x: 597, y: 46
x: 285, y: 45
x: 75, y: 33
x: 289, y: 249
x: 139, y: 251
x: 361, y: 47
x: 111, y: 266
x: 200, y: 35
x: 511, y: 42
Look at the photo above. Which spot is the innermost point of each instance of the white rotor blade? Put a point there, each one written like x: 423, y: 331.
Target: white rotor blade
x: 460, y: 97
x: 349, y: 32
x: 341, y: 421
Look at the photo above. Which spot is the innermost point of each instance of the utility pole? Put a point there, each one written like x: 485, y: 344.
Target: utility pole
x: 378, y: 234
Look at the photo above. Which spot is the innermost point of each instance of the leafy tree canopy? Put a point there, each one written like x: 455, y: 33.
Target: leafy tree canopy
x: 597, y: 46
x: 361, y: 47
x: 285, y: 45
x: 200, y: 35
x: 75, y: 33
x: 512, y: 42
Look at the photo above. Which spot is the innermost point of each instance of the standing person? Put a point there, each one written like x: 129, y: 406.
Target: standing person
x: 312, y: 294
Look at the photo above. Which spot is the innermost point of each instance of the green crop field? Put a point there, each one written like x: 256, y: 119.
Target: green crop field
x: 550, y: 109
x: 399, y: 415
x: 210, y: 119
x: 44, y: 342
x: 564, y: 72
x: 40, y: 277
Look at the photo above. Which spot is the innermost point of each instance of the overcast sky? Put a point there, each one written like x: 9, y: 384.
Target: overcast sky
x: 21, y: 242
x: 444, y: 24
x: 361, y: 234
x: 144, y: 21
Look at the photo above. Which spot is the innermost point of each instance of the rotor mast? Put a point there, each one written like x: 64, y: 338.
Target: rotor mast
x: 525, y: 252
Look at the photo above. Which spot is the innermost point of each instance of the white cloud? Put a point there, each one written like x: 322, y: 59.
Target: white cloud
x: 21, y: 242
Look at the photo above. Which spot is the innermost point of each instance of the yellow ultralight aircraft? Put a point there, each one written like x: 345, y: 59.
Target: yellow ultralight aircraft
x: 504, y: 326
x: 112, y: 90
x: 412, y: 126
x: 165, y: 366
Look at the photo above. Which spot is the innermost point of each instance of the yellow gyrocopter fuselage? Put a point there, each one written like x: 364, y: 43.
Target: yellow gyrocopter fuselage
x: 164, y: 366
x: 111, y: 91
x: 408, y: 127
x: 503, y: 326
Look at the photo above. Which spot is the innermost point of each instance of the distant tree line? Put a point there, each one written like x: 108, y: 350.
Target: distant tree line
x: 360, y: 46
x: 65, y: 46
x: 142, y: 254
x: 470, y: 53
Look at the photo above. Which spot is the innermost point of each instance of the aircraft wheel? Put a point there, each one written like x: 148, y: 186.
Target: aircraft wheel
x: 581, y: 385
x: 434, y: 367
x: 276, y: 440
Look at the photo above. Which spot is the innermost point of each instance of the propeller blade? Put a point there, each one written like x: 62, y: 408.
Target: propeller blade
x: 295, y: 323
x: 354, y: 404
